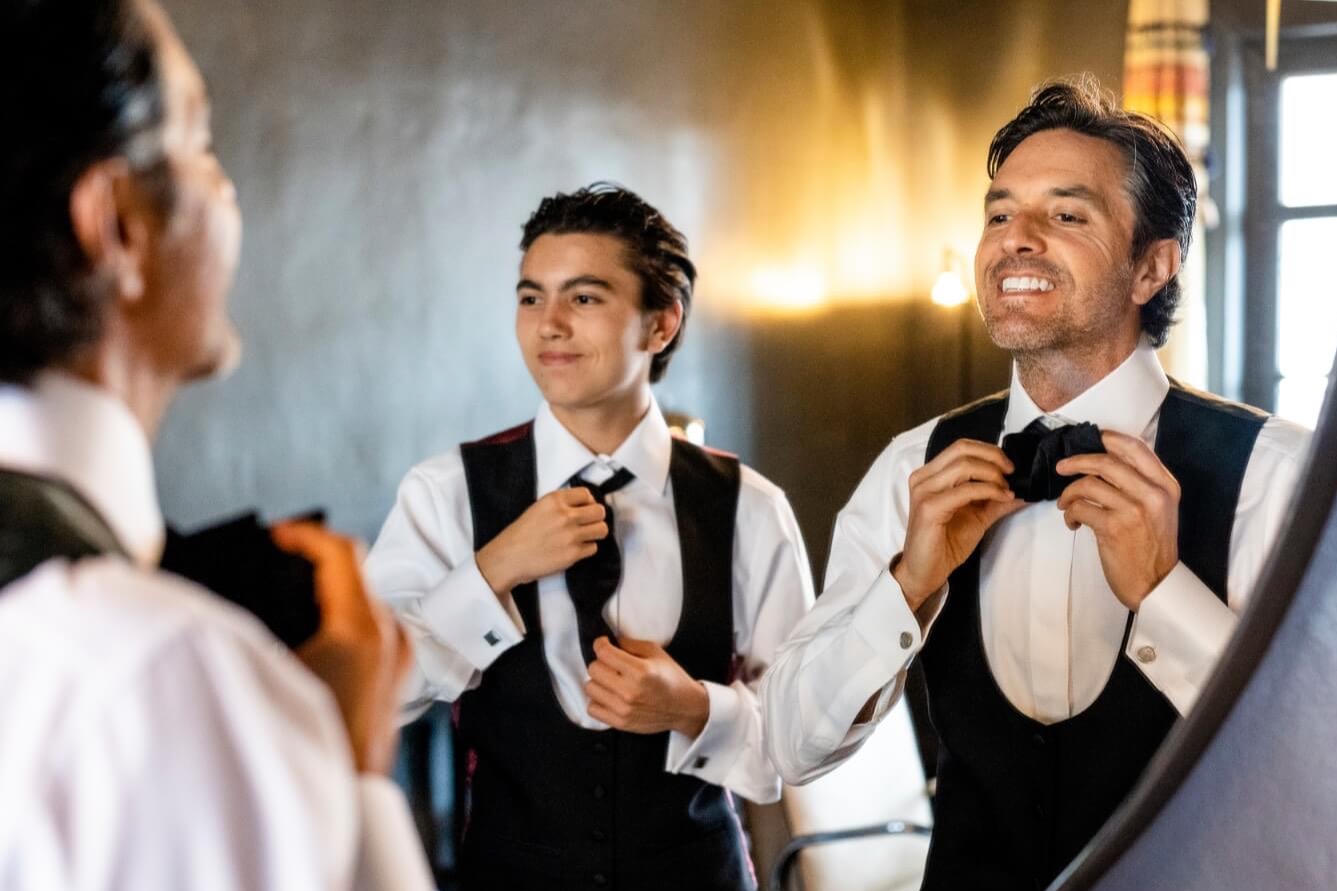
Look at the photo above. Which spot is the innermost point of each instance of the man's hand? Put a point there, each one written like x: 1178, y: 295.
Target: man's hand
x: 558, y: 530
x: 1131, y: 502
x: 954, y: 500
x: 641, y: 689
x: 360, y: 651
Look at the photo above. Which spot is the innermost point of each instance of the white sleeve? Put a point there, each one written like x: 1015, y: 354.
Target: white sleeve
x: 423, y: 566
x: 772, y: 589
x: 860, y: 637
x: 220, y: 764
x: 1182, y: 628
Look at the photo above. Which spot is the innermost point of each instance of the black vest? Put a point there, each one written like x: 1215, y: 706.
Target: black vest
x: 44, y: 518
x: 553, y: 805
x: 1017, y: 799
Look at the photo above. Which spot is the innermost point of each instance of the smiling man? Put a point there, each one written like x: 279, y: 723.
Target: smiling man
x: 598, y: 598
x: 1068, y: 557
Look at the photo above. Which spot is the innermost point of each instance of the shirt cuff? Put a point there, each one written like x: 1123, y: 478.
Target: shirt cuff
x: 1179, y: 631
x: 711, y: 755
x: 886, y: 624
x: 390, y: 856
x: 464, y: 613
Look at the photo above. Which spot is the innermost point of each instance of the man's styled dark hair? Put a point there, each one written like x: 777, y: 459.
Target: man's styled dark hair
x: 79, y: 84
x: 656, y: 251
x: 1160, y: 180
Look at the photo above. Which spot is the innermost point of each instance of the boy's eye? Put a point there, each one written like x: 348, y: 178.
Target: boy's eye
x: 528, y: 300
x: 586, y: 299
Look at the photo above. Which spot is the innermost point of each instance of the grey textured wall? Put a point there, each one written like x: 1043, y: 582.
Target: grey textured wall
x: 386, y: 155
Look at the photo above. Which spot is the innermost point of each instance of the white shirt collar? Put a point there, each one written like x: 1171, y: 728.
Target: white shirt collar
x: 645, y: 452
x: 1125, y: 400
x: 66, y: 429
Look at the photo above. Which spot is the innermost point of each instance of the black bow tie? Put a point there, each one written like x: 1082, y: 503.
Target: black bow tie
x: 1035, y: 450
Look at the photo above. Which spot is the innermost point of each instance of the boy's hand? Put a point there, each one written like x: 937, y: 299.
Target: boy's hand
x: 556, y: 531
x: 641, y: 689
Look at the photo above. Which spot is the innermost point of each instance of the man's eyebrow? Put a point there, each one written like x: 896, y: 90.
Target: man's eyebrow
x: 996, y: 195
x: 528, y: 284
x: 1082, y: 193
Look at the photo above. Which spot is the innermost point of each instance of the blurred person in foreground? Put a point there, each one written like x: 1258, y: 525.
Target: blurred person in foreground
x: 152, y: 736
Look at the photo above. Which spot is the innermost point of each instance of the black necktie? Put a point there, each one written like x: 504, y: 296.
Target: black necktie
x: 1037, y: 449
x: 593, y: 580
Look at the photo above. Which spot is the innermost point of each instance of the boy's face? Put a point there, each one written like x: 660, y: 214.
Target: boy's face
x: 585, y: 338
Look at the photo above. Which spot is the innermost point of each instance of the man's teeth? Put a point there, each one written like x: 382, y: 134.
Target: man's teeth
x: 1027, y: 283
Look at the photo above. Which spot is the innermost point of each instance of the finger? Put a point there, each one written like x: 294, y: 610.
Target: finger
x: 592, y: 532
x: 601, y: 713
x: 996, y: 510
x: 589, y: 513
x: 1140, y: 455
x: 1084, y: 513
x: 1095, y: 489
x: 1115, y: 471
x: 966, y: 468
x: 944, y: 505
x: 606, y: 697
x: 970, y: 448
x: 644, y: 649
x: 617, y: 659
x: 606, y: 676
x: 574, y: 496
x: 339, y: 586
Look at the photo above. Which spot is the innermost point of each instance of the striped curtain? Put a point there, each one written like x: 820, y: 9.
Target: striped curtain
x: 1165, y: 75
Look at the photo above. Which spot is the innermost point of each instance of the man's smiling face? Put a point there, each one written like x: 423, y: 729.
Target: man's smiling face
x: 1054, y: 268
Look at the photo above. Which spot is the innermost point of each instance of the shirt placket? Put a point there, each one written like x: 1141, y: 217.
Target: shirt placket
x: 1051, y: 571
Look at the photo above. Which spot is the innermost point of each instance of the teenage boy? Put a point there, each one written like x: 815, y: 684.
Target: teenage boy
x: 597, y: 597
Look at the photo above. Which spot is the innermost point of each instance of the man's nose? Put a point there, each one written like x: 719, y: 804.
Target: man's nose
x: 1024, y: 235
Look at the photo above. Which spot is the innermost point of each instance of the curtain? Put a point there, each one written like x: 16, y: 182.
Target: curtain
x: 1166, y: 76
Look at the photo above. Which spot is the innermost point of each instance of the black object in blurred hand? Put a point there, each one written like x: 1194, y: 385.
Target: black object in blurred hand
x: 239, y: 561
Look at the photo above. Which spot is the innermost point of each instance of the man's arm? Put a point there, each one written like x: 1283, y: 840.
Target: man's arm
x: 1181, y: 627
x: 907, y: 527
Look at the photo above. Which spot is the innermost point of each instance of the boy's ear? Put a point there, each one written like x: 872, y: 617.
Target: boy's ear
x: 662, y: 327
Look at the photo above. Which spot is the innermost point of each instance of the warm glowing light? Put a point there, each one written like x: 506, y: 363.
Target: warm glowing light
x: 949, y: 290
x: 696, y: 433
x: 789, y: 287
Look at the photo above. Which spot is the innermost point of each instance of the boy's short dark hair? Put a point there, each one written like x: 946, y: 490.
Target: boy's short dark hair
x: 655, y: 249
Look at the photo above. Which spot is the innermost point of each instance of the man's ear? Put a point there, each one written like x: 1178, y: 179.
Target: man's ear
x: 663, y: 325
x: 108, y: 214
x: 1159, y: 263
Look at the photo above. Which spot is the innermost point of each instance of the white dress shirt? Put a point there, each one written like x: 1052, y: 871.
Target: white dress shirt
x: 153, y: 737
x: 423, y: 564
x: 1050, y: 623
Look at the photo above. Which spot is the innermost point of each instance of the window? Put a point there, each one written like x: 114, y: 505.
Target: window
x: 1287, y: 329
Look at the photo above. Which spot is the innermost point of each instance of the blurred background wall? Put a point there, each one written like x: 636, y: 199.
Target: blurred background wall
x: 825, y: 159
